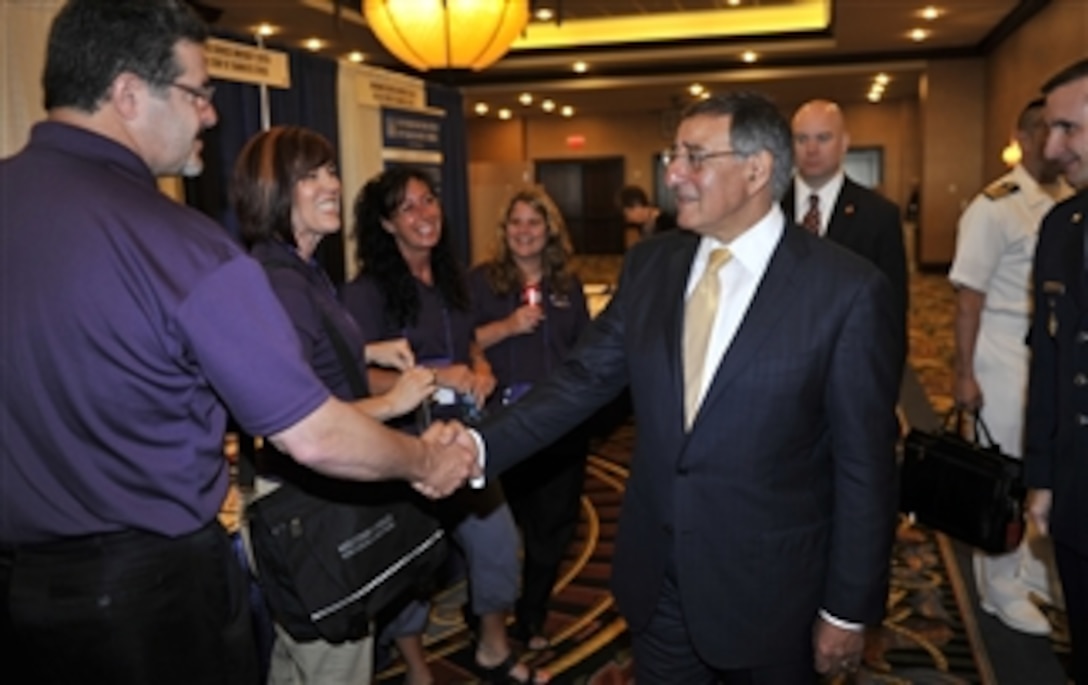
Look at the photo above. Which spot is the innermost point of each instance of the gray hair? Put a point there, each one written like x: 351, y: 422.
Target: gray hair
x: 756, y: 124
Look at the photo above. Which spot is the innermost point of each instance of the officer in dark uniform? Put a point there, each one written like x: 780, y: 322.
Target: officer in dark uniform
x: 1056, y: 459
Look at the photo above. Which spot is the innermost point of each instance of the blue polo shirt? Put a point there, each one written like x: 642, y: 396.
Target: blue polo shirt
x: 129, y: 324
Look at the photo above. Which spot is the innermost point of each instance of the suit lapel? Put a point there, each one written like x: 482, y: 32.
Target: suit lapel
x: 1076, y: 253
x: 672, y: 301
x: 768, y: 306
x: 843, y: 213
x: 789, y: 204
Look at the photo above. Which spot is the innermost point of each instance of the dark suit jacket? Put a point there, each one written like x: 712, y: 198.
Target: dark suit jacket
x: 867, y: 223
x: 780, y: 499
x: 1056, y: 430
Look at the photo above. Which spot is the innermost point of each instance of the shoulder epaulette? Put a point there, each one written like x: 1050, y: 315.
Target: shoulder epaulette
x: 1000, y: 189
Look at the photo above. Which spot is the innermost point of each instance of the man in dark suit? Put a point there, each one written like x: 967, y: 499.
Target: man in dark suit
x: 756, y: 528
x: 1055, y: 464
x: 850, y: 214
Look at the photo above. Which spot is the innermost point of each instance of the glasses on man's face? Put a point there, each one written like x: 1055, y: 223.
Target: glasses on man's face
x: 202, y: 95
x: 694, y: 159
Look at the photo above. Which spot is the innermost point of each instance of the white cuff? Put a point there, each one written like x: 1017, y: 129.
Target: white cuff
x: 481, y: 459
x: 839, y: 623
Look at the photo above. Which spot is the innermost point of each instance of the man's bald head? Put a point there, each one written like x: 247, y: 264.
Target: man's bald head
x: 820, y: 141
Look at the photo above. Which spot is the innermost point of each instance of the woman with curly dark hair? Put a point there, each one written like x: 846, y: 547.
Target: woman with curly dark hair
x: 529, y: 310
x: 411, y: 286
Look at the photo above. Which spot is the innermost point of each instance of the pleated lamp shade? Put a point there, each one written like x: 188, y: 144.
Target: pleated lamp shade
x: 447, y: 34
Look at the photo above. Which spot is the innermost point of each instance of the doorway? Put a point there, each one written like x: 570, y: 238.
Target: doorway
x: 584, y: 190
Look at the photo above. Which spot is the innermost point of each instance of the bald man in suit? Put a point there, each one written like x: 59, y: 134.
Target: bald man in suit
x: 859, y: 219
x: 764, y: 459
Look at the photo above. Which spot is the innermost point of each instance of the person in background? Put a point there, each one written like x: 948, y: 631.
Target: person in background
x: 1057, y: 415
x: 131, y: 325
x: 411, y: 286
x: 825, y: 201
x: 529, y: 310
x: 764, y: 366
x: 640, y: 218
x: 992, y: 276
x: 286, y: 192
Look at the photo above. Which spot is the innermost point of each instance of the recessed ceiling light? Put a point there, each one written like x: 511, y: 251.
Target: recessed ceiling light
x: 882, y: 79
x: 481, y: 108
x: 696, y: 89
x: 734, y: 3
x: 526, y: 99
x: 504, y: 113
x: 749, y: 56
x: 876, y: 88
x: 266, y: 30
x: 918, y: 35
x: 548, y: 105
x: 930, y: 13
x: 580, y: 67
x: 356, y: 57
x: 545, y: 14
x: 567, y: 111
x: 873, y: 97
x: 705, y: 95
x: 314, y: 44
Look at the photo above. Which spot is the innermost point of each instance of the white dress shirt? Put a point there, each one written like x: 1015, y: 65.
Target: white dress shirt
x: 738, y: 279
x: 828, y: 194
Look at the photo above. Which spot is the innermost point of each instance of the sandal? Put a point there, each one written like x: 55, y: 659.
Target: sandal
x: 530, y: 635
x: 502, y: 673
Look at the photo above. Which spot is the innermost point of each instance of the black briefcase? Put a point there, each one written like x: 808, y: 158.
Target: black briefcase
x: 965, y: 488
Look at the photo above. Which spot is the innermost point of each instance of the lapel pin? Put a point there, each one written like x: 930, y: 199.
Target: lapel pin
x: 1077, y: 216
x: 849, y: 210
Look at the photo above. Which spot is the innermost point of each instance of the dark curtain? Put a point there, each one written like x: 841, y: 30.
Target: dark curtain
x: 310, y: 102
x: 454, y: 165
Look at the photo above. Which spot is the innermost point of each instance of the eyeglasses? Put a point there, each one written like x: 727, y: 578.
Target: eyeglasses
x: 693, y: 158
x: 198, y: 93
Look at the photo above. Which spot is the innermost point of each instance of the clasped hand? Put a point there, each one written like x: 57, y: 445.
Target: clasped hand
x: 451, y: 459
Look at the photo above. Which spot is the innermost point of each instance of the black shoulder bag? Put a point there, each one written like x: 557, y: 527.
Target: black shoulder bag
x: 332, y: 554
x: 965, y: 488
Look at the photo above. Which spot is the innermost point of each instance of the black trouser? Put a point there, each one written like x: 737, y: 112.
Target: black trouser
x: 130, y: 608
x: 1073, y: 572
x: 544, y: 493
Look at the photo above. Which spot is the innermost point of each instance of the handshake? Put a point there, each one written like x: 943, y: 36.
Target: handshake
x: 451, y: 457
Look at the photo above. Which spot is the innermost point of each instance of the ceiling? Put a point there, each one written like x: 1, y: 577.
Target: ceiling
x: 643, y: 55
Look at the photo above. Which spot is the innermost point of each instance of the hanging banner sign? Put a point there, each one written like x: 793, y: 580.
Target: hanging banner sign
x: 230, y: 61
x: 407, y: 130
x: 381, y: 88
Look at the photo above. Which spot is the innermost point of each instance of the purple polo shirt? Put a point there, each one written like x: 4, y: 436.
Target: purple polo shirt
x: 309, y: 298
x: 128, y: 322
x: 441, y: 332
x: 530, y: 357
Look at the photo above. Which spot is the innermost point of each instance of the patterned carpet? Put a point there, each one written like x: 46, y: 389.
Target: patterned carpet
x: 929, y: 636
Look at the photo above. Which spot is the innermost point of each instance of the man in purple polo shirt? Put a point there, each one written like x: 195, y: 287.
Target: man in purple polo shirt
x: 130, y: 325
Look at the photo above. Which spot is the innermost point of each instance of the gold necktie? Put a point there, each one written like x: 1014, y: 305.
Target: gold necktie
x: 699, y: 313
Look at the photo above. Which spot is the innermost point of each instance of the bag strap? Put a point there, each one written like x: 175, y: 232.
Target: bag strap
x: 979, y: 430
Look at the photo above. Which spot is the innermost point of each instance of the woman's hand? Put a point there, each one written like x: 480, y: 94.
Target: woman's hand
x: 525, y: 319
x: 456, y: 377
x: 483, y: 384
x: 395, y: 353
x: 414, y: 386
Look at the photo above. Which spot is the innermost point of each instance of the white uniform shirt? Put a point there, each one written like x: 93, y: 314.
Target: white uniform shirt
x: 995, y: 244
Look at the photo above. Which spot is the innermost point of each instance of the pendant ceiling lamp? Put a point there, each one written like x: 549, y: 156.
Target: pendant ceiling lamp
x: 447, y: 34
